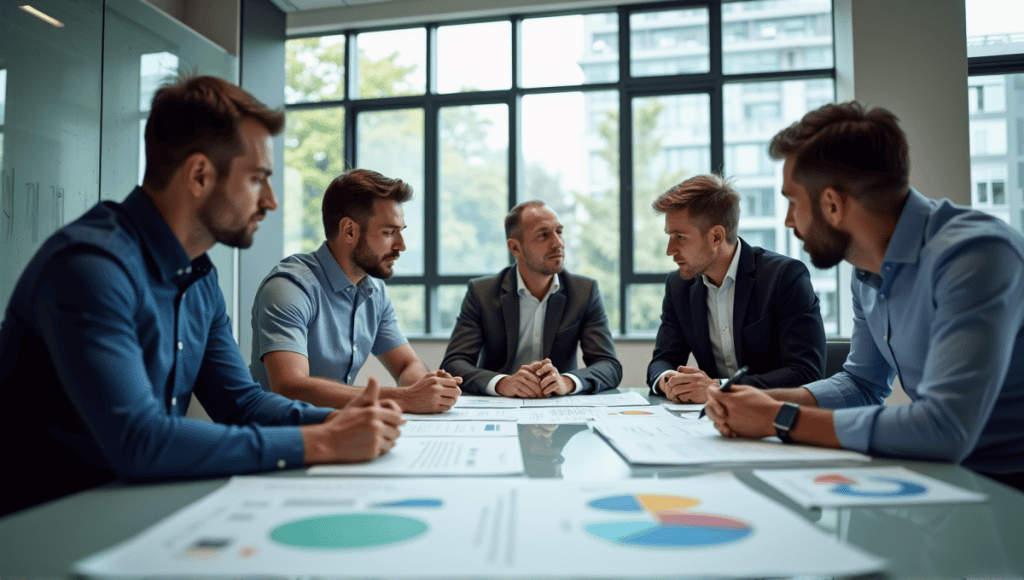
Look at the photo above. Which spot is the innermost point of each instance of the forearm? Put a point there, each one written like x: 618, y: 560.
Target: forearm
x: 317, y: 391
x: 814, y: 427
x: 411, y: 373
x: 798, y: 395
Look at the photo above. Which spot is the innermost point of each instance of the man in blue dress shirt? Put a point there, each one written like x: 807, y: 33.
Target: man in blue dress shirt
x: 118, y: 319
x: 318, y: 316
x: 936, y: 298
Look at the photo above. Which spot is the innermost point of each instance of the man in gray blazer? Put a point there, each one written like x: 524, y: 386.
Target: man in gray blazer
x: 518, y: 331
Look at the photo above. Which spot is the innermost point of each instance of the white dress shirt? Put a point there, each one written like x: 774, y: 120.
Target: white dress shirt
x: 531, y: 330
x: 721, y: 300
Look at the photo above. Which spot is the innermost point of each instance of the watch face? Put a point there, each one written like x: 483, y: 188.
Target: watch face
x: 786, y: 415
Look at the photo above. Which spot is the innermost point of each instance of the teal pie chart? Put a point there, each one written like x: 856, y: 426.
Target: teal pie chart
x: 664, y: 521
x: 341, y: 531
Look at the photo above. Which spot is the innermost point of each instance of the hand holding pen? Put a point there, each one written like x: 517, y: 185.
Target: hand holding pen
x: 727, y: 385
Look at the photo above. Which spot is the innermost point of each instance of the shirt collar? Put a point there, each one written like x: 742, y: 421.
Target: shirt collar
x: 523, y: 290
x: 908, y: 237
x: 337, y: 277
x: 730, y: 274
x: 159, y: 243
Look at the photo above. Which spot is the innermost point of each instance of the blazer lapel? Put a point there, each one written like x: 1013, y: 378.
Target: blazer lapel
x: 745, y: 276
x: 553, y: 318
x: 510, y: 314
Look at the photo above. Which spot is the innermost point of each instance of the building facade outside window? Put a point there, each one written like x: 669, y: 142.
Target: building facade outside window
x: 995, y: 100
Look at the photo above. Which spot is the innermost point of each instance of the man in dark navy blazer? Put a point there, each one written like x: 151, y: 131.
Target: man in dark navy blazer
x: 519, y: 330
x: 731, y: 304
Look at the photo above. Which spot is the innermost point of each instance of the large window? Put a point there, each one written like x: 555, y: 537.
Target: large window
x: 596, y: 114
x: 995, y: 100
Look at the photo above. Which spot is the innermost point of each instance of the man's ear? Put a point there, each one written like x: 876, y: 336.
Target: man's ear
x: 833, y: 206
x: 514, y: 247
x: 349, y: 230
x: 199, y: 174
x: 716, y: 235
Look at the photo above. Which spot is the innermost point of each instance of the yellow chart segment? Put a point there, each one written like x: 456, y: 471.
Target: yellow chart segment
x: 657, y: 503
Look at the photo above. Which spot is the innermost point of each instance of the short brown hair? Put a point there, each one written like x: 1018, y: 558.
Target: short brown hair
x: 711, y: 201
x: 857, y: 151
x: 351, y: 195
x: 200, y: 114
x: 514, y: 219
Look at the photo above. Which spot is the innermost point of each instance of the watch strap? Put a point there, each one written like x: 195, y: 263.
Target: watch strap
x: 785, y: 419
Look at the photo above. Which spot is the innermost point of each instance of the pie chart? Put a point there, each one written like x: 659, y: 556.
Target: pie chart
x: 664, y: 521
x: 873, y: 486
x: 347, y: 531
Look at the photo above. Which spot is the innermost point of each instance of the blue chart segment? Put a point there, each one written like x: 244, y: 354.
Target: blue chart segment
x: 875, y: 486
x: 668, y: 523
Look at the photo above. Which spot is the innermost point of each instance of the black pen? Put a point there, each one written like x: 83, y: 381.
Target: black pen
x: 727, y: 385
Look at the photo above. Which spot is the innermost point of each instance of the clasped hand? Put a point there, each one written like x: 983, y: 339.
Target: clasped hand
x: 436, y: 392
x: 535, y: 381
x: 360, y: 431
x: 686, y: 385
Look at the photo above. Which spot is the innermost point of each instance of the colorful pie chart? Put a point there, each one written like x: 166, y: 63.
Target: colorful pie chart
x: 872, y: 486
x: 664, y: 521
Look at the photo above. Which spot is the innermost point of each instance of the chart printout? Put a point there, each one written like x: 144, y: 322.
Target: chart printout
x: 417, y: 456
x: 857, y: 486
x: 711, y: 525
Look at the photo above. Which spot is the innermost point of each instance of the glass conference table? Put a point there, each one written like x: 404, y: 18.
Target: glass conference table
x: 974, y: 540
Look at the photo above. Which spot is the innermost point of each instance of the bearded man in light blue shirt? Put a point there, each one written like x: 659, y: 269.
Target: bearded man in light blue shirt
x: 318, y: 316
x: 936, y: 298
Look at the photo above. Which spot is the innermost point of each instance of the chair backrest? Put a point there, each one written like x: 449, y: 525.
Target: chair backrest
x: 835, y: 355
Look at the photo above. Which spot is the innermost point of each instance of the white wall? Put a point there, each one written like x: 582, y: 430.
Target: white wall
x: 911, y: 58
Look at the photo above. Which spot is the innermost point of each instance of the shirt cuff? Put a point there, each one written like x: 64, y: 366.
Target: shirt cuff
x: 285, y: 449
x: 492, y: 385
x: 827, y: 394
x: 654, y: 388
x: 579, y: 383
x: 854, y: 426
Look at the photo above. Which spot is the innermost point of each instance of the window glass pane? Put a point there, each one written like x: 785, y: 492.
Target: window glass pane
x: 994, y: 27
x: 391, y: 63
x: 472, y: 188
x: 391, y: 142
x: 410, y: 307
x: 997, y: 144
x: 671, y: 142
x: 313, y: 156
x: 486, y: 66
x: 776, y: 35
x: 447, y: 305
x: 315, y: 69
x: 753, y: 114
x: 668, y: 42
x: 645, y: 301
x: 569, y: 159
x: 570, y: 50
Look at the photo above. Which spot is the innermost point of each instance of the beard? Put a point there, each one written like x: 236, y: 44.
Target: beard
x: 364, y: 258
x: 217, y: 208
x: 540, y: 265
x: 823, y: 243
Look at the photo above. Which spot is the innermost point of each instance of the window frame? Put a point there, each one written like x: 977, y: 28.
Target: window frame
x: 628, y: 88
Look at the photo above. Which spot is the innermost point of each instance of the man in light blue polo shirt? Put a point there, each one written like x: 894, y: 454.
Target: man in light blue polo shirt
x: 936, y: 301
x: 318, y: 316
